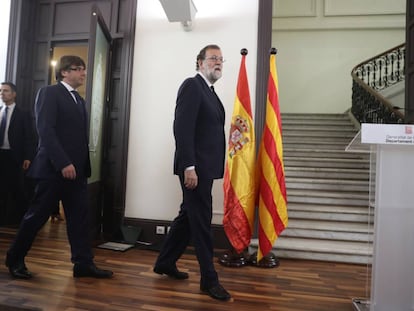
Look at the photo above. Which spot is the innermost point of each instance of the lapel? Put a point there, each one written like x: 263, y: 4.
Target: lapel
x: 80, y: 107
x: 213, y: 99
x: 14, y: 115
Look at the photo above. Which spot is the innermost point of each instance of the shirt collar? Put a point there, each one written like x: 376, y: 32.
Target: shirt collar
x: 11, y: 107
x: 67, y: 86
x: 205, y: 79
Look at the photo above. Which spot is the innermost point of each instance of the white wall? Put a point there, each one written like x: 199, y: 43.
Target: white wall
x: 320, y: 41
x: 4, y: 35
x: 164, y: 56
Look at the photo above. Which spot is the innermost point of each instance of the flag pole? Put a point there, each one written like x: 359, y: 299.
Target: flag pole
x: 269, y: 260
x: 232, y: 257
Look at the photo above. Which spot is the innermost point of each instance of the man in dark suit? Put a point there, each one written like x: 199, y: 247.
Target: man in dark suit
x: 199, y: 159
x: 17, y: 145
x: 60, y: 167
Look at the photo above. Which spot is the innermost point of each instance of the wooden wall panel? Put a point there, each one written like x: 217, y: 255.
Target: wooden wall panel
x: 44, y: 20
x: 74, y: 17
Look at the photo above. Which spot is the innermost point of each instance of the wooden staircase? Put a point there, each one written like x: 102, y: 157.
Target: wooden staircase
x: 327, y: 189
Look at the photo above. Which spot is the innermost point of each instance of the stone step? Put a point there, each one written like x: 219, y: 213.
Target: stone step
x: 330, y: 216
x: 328, y: 172
x: 335, y: 209
x: 319, y: 153
x: 327, y: 184
x: 326, y: 198
x: 327, y: 191
x: 316, y: 122
x: 303, y: 139
x: 323, y: 145
x: 326, y: 162
x: 300, y: 127
x: 325, y: 250
x: 326, y: 235
x: 320, y: 117
x: 331, y: 226
x: 319, y: 134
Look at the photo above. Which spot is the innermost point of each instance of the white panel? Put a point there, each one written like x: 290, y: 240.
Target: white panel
x: 153, y: 192
x: 364, y: 7
x: 4, y: 35
x: 294, y: 8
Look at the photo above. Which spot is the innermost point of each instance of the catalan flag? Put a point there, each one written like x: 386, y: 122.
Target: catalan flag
x: 239, y: 176
x: 273, y: 217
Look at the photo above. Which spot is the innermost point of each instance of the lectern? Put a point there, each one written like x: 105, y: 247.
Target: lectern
x: 392, y: 154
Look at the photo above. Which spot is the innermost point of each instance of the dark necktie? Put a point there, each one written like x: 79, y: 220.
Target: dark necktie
x: 3, y: 125
x: 79, y: 99
x: 79, y: 103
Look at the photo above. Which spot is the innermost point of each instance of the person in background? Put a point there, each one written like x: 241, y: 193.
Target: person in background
x: 17, y: 147
x: 61, y: 168
x: 199, y: 159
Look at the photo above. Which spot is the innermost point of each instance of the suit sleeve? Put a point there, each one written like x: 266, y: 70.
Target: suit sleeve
x: 29, y: 137
x: 186, y: 114
x: 46, y: 109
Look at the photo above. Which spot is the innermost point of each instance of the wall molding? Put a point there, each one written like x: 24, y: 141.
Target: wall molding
x: 294, y: 8
x: 337, y: 15
x: 363, y: 8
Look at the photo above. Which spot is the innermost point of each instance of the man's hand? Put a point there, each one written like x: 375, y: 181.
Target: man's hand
x: 190, y: 179
x: 26, y: 164
x: 69, y: 172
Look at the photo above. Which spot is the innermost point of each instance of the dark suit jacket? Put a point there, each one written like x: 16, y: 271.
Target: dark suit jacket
x: 199, y: 130
x: 21, y: 135
x: 63, y: 137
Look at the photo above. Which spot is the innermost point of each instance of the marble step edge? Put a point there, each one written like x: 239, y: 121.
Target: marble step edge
x: 319, y: 153
x: 320, y: 208
x: 328, y: 169
x: 331, y: 216
x: 320, y: 134
x: 323, y: 257
x: 325, y: 181
x: 321, y: 246
x: 326, y: 194
x: 333, y: 226
x: 317, y: 116
x: 344, y: 128
x: 325, y: 159
x: 327, y: 235
x: 343, y: 188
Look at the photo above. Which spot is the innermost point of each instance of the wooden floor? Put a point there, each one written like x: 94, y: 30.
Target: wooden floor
x: 295, y: 285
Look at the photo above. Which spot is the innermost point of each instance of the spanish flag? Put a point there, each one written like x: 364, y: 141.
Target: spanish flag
x: 239, y: 175
x: 273, y: 217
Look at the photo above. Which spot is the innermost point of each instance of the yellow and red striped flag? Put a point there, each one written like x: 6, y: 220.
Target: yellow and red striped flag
x: 239, y: 175
x: 273, y: 217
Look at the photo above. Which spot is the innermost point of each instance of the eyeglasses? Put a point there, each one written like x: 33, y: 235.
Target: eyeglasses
x: 216, y: 59
x: 79, y: 68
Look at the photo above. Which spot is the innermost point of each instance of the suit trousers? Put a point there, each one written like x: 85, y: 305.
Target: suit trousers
x: 192, y: 223
x: 73, y: 194
x: 13, y: 198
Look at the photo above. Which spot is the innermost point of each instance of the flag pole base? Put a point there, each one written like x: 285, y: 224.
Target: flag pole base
x: 268, y: 261
x: 231, y: 258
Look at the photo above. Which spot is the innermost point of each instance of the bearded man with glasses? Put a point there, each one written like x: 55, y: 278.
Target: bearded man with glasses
x: 199, y: 159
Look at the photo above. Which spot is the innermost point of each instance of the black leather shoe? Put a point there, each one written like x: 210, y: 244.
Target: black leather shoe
x: 91, y: 270
x: 19, y: 271
x: 172, y: 273
x: 217, y: 292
